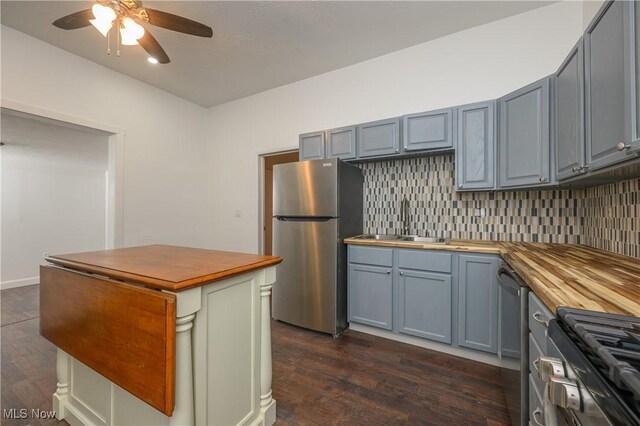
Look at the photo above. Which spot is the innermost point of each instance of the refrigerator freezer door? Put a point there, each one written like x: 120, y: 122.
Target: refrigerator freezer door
x: 306, y: 188
x: 305, y: 290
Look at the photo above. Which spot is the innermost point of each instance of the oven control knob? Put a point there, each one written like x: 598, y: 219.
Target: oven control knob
x: 548, y: 366
x: 564, y: 393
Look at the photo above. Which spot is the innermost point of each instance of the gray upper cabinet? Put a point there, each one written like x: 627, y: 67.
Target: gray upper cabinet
x: 524, y: 141
x: 609, y: 92
x: 475, y: 146
x: 425, y: 305
x: 312, y: 146
x: 428, y: 130
x: 569, y: 115
x: 341, y: 143
x: 379, y: 138
x: 635, y: 73
x: 478, y: 302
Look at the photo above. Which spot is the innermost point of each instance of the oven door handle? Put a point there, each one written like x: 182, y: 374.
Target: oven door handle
x: 513, y: 282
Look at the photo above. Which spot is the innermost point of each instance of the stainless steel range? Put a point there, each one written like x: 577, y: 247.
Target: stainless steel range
x: 593, y: 372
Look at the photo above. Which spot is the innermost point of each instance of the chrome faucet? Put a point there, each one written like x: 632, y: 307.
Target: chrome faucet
x: 404, y: 215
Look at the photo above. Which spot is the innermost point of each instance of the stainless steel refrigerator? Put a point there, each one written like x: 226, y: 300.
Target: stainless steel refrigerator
x: 316, y: 204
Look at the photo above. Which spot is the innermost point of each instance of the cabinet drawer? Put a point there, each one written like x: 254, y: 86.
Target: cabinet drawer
x: 536, y: 409
x: 539, y: 317
x: 534, y: 352
x: 425, y: 260
x: 371, y: 255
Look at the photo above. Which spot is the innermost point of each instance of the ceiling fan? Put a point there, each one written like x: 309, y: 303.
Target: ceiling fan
x: 128, y: 15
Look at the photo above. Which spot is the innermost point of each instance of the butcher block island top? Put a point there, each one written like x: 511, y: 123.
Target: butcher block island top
x: 570, y: 275
x: 160, y: 335
x: 164, y: 267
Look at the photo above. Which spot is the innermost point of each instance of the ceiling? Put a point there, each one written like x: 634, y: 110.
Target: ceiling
x: 257, y: 46
x: 32, y: 138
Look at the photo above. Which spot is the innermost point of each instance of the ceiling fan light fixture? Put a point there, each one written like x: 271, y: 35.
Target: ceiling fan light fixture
x: 104, y: 17
x: 152, y: 60
x: 131, y: 31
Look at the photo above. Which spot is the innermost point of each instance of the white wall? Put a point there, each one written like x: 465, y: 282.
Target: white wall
x: 474, y: 65
x: 165, y: 178
x: 49, y: 204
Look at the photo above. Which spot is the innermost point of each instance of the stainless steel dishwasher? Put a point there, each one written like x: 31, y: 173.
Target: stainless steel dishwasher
x: 515, y: 383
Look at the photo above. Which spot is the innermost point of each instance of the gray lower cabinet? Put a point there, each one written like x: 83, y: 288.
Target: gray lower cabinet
x: 524, y: 140
x: 312, y: 146
x: 342, y: 143
x: 425, y: 305
x: 478, y: 302
x: 428, y: 130
x: 379, y: 138
x: 370, y: 295
x: 475, y: 146
x: 569, y: 115
x: 609, y: 85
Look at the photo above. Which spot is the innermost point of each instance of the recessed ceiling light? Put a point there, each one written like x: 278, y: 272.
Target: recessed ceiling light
x: 152, y: 60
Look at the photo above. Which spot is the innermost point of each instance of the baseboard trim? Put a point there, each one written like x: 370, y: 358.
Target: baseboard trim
x: 439, y: 347
x: 23, y: 282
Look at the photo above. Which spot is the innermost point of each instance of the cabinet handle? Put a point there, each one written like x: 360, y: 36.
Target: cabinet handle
x: 537, y: 412
x: 622, y: 146
x: 401, y: 273
x: 543, y: 179
x: 537, y: 316
x: 460, y: 186
x: 388, y: 271
x: 575, y: 169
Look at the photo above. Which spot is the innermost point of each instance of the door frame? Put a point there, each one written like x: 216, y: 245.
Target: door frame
x: 261, y: 170
x: 114, y: 227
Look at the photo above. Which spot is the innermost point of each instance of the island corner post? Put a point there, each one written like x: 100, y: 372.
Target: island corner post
x: 160, y: 335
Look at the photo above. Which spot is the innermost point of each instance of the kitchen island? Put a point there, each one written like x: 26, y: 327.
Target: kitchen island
x: 160, y: 335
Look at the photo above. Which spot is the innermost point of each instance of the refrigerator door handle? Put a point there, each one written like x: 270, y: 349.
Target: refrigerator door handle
x: 304, y: 219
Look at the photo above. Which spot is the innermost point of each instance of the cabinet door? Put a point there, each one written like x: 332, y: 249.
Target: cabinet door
x: 634, y: 65
x: 312, y: 146
x: 608, y: 85
x: 475, y: 147
x: 428, y: 130
x: 370, y: 295
x: 379, y: 138
x: 569, y: 115
x: 341, y: 143
x: 425, y: 305
x: 478, y: 302
x: 524, y: 136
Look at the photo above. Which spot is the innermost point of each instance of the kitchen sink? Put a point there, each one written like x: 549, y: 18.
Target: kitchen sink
x: 403, y: 238
x: 427, y: 240
x: 380, y: 237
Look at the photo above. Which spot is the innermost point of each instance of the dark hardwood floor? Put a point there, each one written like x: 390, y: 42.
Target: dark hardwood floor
x: 356, y: 379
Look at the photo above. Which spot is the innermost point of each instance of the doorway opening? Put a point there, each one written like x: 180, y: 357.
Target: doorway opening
x: 266, y: 218
x: 60, y: 191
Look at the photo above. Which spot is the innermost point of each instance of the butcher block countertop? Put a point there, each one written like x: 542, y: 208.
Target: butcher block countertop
x: 469, y: 246
x: 560, y: 274
x: 164, y: 267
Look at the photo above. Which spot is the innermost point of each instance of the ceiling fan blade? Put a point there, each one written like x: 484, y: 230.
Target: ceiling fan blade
x: 75, y: 20
x: 178, y: 23
x: 153, y: 48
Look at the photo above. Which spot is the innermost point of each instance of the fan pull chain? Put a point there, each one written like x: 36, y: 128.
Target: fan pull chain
x: 118, y: 38
x: 108, y: 42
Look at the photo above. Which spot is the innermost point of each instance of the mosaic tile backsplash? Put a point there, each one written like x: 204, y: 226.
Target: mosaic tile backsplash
x: 606, y: 217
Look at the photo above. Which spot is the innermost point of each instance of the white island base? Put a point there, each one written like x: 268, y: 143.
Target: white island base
x: 223, y: 364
